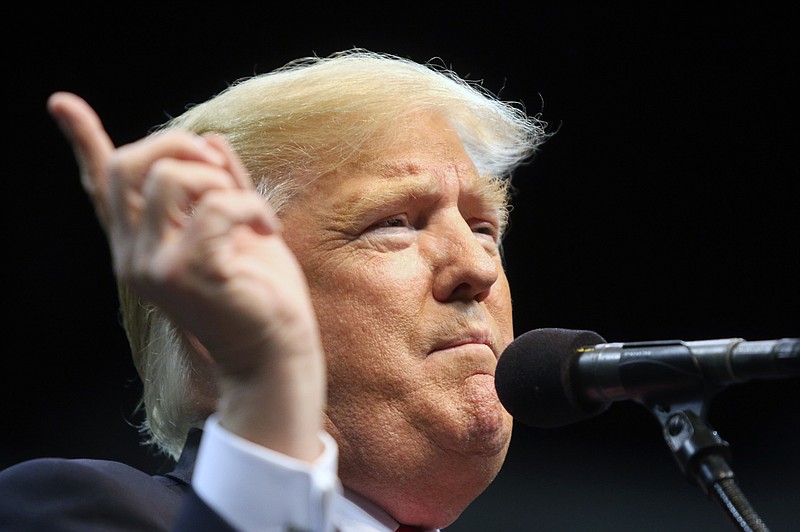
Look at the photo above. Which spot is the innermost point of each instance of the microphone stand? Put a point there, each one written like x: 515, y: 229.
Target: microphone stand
x: 675, y: 390
x: 703, y: 458
x: 669, y: 380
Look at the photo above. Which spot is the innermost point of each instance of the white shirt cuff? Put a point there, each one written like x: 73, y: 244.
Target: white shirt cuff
x: 255, y: 488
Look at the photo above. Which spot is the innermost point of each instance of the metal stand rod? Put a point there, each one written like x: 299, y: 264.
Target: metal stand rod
x: 736, y: 506
x: 716, y: 478
x: 703, y: 457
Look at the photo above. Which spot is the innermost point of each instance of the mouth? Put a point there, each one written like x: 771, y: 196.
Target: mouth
x: 478, y: 341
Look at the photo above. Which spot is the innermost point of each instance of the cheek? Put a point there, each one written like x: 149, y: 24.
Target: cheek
x: 499, y: 305
x: 368, y: 313
x: 383, y: 294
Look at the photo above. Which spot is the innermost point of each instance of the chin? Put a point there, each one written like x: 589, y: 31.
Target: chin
x: 489, y: 424
x: 491, y: 443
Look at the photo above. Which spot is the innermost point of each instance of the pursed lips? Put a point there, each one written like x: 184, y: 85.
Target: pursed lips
x: 468, y: 339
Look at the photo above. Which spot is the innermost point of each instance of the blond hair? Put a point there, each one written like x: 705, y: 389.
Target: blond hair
x: 290, y: 125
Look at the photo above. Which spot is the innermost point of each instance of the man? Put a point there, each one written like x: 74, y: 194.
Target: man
x: 310, y: 271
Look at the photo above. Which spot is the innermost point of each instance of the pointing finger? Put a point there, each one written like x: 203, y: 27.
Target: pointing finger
x: 90, y: 143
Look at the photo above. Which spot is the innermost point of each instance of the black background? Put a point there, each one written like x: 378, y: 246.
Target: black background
x: 665, y: 207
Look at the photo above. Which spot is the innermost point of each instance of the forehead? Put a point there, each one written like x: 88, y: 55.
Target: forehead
x: 419, y: 162
x: 417, y: 157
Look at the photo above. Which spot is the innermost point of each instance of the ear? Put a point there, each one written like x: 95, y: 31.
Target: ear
x: 199, y: 349
x: 203, y: 374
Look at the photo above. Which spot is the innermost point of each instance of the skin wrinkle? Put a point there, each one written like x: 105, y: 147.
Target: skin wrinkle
x: 350, y: 213
x: 413, y: 307
x: 401, y: 408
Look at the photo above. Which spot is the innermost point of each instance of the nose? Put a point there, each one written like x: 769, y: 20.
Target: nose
x: 463, y: 268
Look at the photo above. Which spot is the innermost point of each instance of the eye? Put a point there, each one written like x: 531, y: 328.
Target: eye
x: 396, y: 221
x: 486, y: 229
x: 392, y: 233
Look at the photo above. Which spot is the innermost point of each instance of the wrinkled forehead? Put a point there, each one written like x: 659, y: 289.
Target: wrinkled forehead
x: 430, y: 148
x: 420, y: 157
x: 416, y: 172
x: 423, y: 152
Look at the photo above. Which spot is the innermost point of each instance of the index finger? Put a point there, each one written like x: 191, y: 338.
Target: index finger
x: 90, y: 143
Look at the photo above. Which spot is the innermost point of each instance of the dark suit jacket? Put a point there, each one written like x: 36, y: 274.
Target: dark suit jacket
x: 57, y: 494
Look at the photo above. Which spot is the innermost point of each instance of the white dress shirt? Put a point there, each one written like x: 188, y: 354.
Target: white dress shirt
x: 256, y: 489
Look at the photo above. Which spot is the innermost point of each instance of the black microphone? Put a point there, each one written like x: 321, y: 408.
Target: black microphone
x: 553, y: 377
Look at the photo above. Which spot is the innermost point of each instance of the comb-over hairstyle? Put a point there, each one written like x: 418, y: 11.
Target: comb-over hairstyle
x: 292, y: 125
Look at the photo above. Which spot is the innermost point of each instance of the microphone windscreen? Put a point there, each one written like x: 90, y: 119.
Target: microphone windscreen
x: 535, y: 381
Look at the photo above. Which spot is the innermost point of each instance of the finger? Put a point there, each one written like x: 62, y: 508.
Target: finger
x: 240, y: 174
x: 133, y: 161
x: 221, y: 211
x: 233, y: 163
x: 175, y: 187
x: 224, y: 220
x: 90, y: 143
x: 172, y: 154
x: 168, y: 202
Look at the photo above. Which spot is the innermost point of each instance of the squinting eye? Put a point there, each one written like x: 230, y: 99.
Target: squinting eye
x: 400, y: 220
x: 486, y: 229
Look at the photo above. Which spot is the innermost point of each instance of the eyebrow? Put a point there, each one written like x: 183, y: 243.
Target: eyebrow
x: 350, y: 211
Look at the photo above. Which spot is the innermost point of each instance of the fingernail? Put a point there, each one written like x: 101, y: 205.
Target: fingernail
x: 210, y: 151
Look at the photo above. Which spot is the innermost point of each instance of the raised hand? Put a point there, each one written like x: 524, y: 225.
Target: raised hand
x: 188, y: 233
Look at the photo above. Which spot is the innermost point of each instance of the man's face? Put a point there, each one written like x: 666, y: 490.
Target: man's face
x: 401, y: 254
